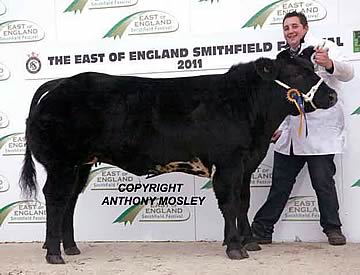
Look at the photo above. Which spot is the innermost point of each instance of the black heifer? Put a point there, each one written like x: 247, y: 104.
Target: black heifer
x: 143, y: 124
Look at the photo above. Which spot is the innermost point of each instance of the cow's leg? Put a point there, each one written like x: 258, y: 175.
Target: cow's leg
x: 242, y: 217
x: 226, y: 185
x: 57, y: 192
x: 70, y: 247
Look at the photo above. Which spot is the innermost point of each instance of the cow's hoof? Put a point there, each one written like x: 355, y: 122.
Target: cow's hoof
x: 244, y: 253
x: 72, y: 251
x: 253, y: 246
x: 54, y: 259
x: 237, y: 254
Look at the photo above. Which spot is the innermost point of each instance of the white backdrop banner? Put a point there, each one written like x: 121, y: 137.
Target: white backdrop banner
x: 43, y: 40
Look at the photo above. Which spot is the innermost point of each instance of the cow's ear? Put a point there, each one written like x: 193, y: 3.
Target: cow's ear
x: 266, y: 68
x: 307, y: 53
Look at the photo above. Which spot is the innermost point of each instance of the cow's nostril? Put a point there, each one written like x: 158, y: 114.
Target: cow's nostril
x: 333, y: 98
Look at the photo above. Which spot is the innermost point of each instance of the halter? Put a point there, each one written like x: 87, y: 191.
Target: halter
x: 294, y: 96
x: 309, y: 96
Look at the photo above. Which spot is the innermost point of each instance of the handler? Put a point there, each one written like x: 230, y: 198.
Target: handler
x: 326, y: 137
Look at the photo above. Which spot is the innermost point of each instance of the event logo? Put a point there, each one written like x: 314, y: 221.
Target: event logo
x: 356, y: 36
x: 78, y: 5
x: 301, y: 208
x: 4, y: 72
x: 29, y: 211
x: 13, y: 144
x: 109, y: 178
x: 356, y: 184
x: 356, y: 112
x: 144, y: 22
x: 20, y: 31
x: 275, y: 12
x: 4, y: 184
x: 149, y: 201
x: 2, y: 8
x: 33, y: 64
x: 207, y: 185
x: 262, y: 176
x: 157, y: 212
x: 4, y: 121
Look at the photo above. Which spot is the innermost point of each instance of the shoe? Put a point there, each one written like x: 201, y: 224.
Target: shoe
x: 262, y: 240
x: 260, y: 237
x: 336, y: 237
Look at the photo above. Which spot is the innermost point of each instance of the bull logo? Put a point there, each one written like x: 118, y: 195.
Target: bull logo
x: 4, y: 73
x: 2, y: 8
x: 4, y: 184
x: 4, y: 120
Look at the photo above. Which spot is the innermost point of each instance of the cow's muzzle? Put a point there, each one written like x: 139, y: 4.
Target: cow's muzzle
x: 309, y: 96
x: 333, y: 98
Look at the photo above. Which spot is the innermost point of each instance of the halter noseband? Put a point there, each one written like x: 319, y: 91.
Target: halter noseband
x: 309, y: 96
x: 294, y: 96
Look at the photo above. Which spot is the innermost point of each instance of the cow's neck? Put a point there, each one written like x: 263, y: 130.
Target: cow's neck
x: 266, y: 112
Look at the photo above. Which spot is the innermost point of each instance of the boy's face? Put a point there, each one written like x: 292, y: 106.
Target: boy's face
x: 293, y: 31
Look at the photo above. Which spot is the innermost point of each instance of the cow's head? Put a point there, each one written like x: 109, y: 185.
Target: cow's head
x: 297, y: 81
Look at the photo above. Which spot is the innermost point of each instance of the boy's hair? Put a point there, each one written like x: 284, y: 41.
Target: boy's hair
x: 300, y: 15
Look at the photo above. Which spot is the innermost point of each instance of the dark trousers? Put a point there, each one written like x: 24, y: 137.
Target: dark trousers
x: 286, y: 168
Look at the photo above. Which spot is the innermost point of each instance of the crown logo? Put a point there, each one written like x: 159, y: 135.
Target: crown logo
x: 33, y: 55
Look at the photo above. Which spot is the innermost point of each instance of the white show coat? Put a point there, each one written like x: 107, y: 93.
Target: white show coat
x: 326, y: 129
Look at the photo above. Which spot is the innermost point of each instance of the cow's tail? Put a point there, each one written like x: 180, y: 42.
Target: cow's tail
x: 28, y: 183
x: 41, y: 92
